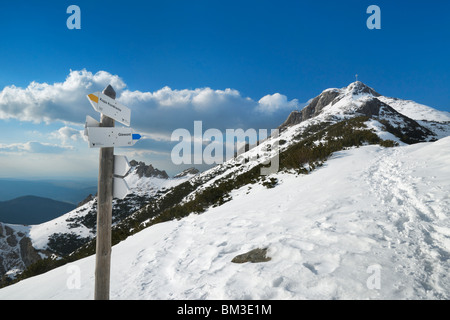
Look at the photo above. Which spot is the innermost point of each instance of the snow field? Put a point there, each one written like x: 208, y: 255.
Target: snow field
x: 366, y: 209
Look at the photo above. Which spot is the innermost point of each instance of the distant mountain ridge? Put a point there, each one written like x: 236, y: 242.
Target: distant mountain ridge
x: 32, y: 210
x: 65, y: 190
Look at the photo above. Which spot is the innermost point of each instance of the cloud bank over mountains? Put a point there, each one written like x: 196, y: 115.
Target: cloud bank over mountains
x: 157, y: 113
x: 44, y: 122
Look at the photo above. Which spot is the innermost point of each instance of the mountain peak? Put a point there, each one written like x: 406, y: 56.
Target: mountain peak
x: 143, y: 170
x: 359, y: 88
x: 360, y: 99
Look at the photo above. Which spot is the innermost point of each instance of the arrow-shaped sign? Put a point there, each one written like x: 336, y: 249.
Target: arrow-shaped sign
x: 105, y: 137
x: 110, y: 107
x: 121, y: 166
x: 90, y: 122
x: 120, y: 188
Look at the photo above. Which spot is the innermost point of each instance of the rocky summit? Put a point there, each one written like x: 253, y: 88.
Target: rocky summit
x: 143, y: 170
x: 359, y: 99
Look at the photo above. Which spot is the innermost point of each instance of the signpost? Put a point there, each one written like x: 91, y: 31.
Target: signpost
x: 121, y: 166
x: 105, y: 136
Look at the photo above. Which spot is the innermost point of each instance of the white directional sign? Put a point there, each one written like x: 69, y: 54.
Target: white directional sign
x: 110, y: 107
x: 105, y: 137
x: 90, y: 122
x: 121, y: 166
x: 120, y: 188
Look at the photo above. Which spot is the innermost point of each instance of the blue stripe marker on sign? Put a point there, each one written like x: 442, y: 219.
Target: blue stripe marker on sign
x: 136, y: 136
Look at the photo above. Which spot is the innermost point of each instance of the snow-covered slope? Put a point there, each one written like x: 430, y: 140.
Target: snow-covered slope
x: 416, y: 110
x: 371, y: 223
x: 430, y: 118
x: 22, y: 245
x: 145, y: 187
x: 150, y: 186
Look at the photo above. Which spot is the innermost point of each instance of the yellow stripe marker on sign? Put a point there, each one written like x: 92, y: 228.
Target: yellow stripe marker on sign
x: 93, y: 97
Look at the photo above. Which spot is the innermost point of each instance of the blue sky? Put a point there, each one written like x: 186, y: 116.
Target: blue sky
x: 199, y: 60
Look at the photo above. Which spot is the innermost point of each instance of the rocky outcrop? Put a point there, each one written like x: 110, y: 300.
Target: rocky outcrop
x: 295, y: 117
x: 16, y: 249
x: 143, y: 170
x: 28, y: 253
x: 318, y: 103
x: 312, y: 109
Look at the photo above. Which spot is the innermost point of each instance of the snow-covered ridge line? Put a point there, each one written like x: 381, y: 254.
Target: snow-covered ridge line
x: 416, y: 111
x: 332, y: 106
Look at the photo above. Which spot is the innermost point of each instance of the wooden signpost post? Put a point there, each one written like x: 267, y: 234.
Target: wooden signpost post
x: 103, y: 135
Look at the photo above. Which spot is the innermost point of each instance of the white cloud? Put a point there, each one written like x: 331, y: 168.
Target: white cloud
x: 33, y: 147
x: 67, y: 134
x: 168, y: 109
x: 159, y: 112
x: 61, y: 101
x: 198, y: 99
x: 271, y: 103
